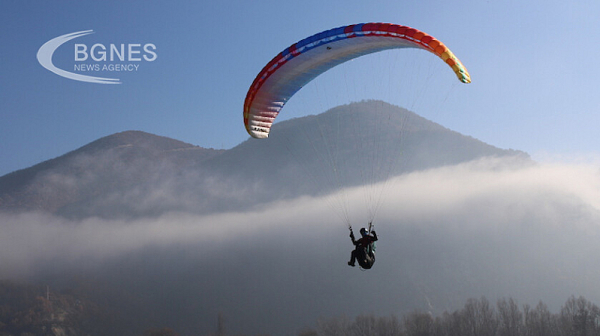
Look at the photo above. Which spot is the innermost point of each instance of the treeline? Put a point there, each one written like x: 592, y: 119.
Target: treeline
x: 36, y: 310
x: 478, y: 317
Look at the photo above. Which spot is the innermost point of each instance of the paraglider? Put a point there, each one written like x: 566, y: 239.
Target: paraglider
x: 364, y: 251
x: 306, y: 59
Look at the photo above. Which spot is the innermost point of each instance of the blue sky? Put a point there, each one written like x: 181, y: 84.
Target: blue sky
x: 533, y: 65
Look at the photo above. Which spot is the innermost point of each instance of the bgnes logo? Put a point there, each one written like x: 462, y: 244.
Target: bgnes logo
x: 97, y: 58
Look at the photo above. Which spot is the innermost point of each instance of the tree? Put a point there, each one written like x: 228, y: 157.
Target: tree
x: 419, y: 324
x: 388, y: 326
x: 479, y: 319
x: 510, y: 318
x: 539, y: 321
x: 580, y: 317
x: 364, y: 325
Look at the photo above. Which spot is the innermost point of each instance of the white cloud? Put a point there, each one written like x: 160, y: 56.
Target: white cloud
x: 452, y: 225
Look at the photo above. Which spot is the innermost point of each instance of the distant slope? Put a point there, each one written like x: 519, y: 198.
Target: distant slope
x: 109, y: 165
x: 134, y: 173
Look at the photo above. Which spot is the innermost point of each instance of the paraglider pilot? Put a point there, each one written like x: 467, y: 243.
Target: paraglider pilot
x: 364, y: 250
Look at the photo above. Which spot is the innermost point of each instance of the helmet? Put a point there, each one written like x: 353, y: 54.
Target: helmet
x: 363, y: 232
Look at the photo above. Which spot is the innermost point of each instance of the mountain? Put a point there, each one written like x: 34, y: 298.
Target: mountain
x: 131, y: 174
x: 111, y: 165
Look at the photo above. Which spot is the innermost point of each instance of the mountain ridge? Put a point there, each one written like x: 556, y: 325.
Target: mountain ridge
x: 134, y: 173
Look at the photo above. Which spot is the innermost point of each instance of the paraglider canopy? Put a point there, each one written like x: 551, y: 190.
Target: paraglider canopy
x: 303, y: 61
